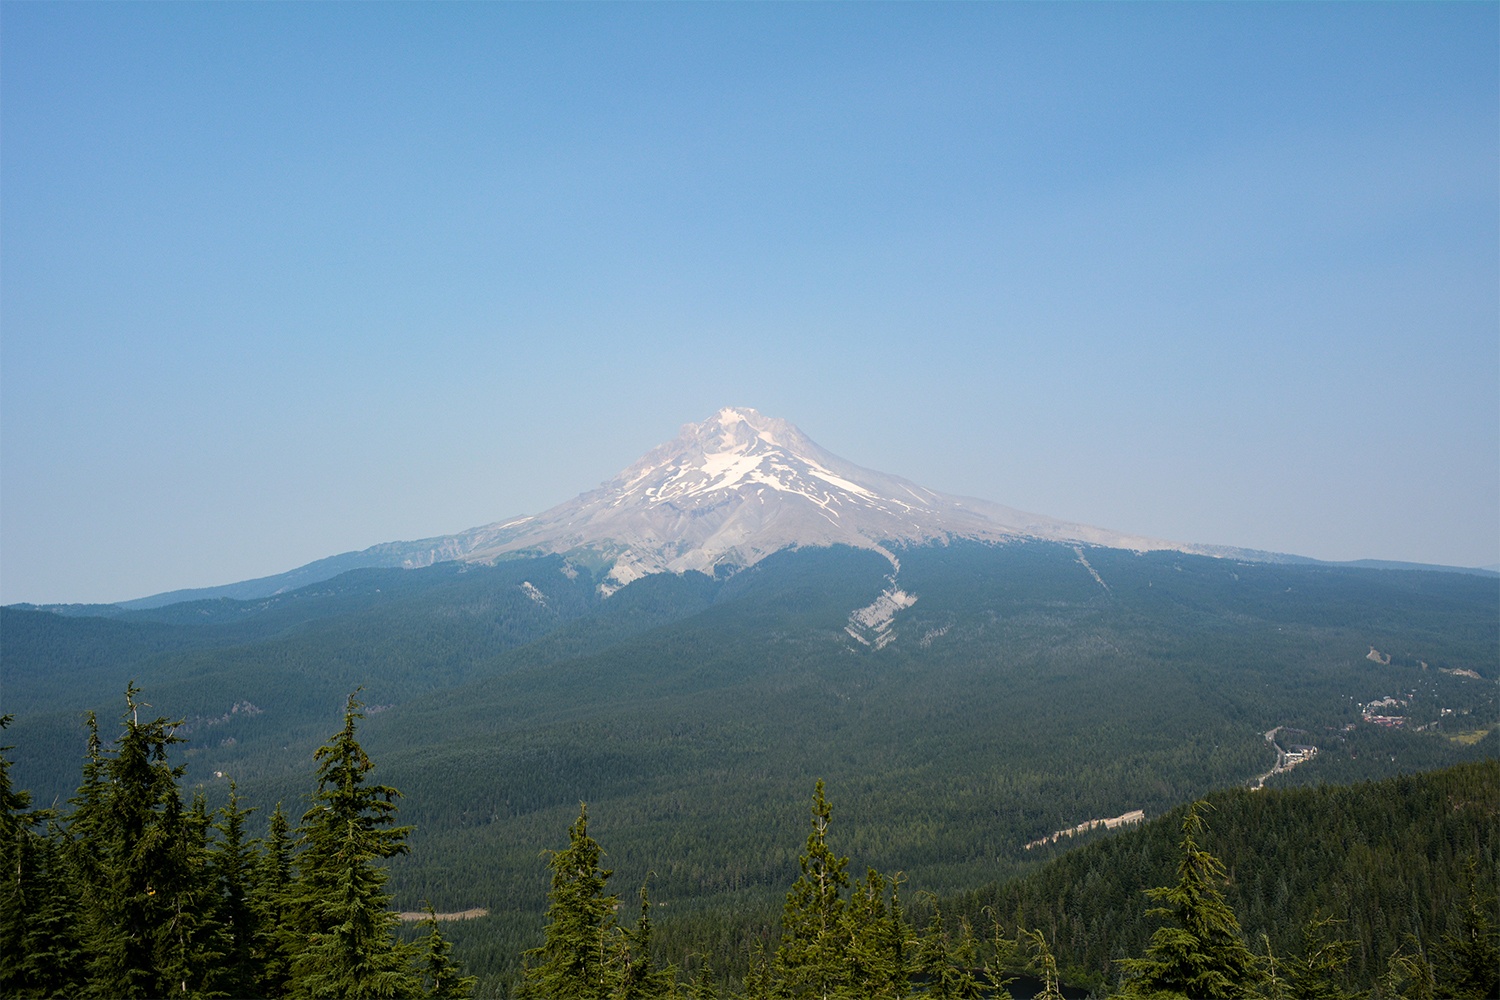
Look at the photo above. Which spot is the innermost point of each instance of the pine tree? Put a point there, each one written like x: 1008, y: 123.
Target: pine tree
x: 947, y: 961
x: 1320, y: 973
x: 814, y: 937
x: 87, y: 830
x: 638, y: 976
x: 340, y: 898
x: 1408, y: 974
x: 272, y: 901
x: 1002, y: 958
x: 579, y: 939
x: 878, y: 955
x: 39, y: 947
x: 442, y: 977
x: 1274, y: 984
x: 139, y: 855
x: 197, y: 940
x: 1203, y: 954
x: 758, y: 980
x: 232, y: 864
x: 704, y: 986
x: 17, y: 853
x: 1469, y: 960
x: 1042, y: 961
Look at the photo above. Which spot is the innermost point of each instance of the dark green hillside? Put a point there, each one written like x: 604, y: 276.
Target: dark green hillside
x: 1040, y: 707
x: 253, y: 677
x: 1386, y: 858
x: 1021, y: 696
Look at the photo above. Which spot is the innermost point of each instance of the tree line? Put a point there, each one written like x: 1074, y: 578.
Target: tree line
x: 135, y: 891
x: 847, y: 939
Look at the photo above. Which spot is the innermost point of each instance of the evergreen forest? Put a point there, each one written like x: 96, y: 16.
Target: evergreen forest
x: 1381, y: 890
x: 1032, y: 688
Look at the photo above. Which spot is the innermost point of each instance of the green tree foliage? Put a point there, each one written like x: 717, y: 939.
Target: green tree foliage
x: 814, y: 935
x: 639, y: 976
x: 138, y: 894
x: 1321, y: 972
x: 704, y: 986
x: 214, y: 908
x: 879, y: 941
x: 1201, y: 953
x: 947, y: 960
x: 341, y: 902
x: 1042, y: 963
x: 442, y: 978
x: 1470, y: 957
x: 232, y: 865
x: 1408, y: 974
x: 146, y: 930
x: 272, y: 902
x: 1386, y: 858
x: 575, y: 959
x: 39, y: 950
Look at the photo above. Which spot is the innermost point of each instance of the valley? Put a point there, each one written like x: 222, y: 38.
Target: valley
x: 735, y: 618
x: 693, y: 714
x: 1286, y: 759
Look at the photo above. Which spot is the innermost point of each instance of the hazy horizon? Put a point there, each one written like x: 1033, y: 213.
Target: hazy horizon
x: 281, y: 282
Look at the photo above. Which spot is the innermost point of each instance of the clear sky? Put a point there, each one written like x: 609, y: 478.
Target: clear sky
x: 281, y: 280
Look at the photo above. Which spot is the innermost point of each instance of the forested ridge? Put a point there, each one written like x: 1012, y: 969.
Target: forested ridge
x: 1379, y: 890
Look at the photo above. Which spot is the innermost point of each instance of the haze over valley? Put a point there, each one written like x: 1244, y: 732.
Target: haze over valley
x: 741, y: 613
x: 1042, y: 457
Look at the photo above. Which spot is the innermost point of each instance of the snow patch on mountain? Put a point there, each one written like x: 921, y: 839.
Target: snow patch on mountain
x: 729, y: 491
x: 871, y: 625
x: 721, y: 496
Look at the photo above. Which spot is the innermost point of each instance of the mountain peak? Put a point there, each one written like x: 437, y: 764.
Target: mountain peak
x: 724, y: 494
x: 738, y: 426
x: 740, y: 485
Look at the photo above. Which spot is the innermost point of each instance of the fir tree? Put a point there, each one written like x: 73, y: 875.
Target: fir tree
x: 578, y: 942
x: 1408, y: 974
x: 814, y: 937
x: 1042, y: 962
x: 39, y: 947
x: 86, y: 834
x: 758, y: 980
x: 947, y: 961
x: 1001, y: 959
x: 232, y: 863
x: 442, y: 977
x: 341, y: 901
x: 704, y: 986
x: 1202, y: 955
x: 17, y: 853
x: 273, y: 905
x: 140, y: 854
x: 197, y: 939
x: 1322, y: 970
x: 1274, y: 985
x: 878, y: 953
x: 639, y: 978
x: 1469, y: 961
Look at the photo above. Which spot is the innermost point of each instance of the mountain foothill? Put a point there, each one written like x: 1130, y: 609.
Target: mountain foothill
x: 655, y: 679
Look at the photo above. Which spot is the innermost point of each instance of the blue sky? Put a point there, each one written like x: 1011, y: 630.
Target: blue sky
x: 281, y: 280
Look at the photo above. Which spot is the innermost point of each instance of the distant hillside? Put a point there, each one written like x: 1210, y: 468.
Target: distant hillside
x: 1387, y: 859
x: 1000, y: 693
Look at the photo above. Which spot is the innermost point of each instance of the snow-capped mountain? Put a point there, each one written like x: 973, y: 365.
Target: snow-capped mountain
x: 738, y: 486
x: 723, y: 494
